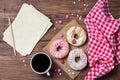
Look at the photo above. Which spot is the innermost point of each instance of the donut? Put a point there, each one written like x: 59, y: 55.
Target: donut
x: 59, y: 48
x: 77, y: 65
x: 76, y: 36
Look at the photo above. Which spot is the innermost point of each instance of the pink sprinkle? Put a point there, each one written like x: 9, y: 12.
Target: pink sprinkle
x: 61, y: 35
x: 54, y: 28
x: 59, y: 70
x: 56, y: 22
x: 86, y: 4
x: 84, y: 8
x: 72, y: 14
x: 78, y: 0
x: 60, y: 21
x: 67, y: 16
x: 62, y: 62
x: 25, y: 65
x: 80, y: 17
x: 78, y: 10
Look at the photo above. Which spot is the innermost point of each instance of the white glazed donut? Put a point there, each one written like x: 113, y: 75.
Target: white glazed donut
x: 76, y: 36
x: 81, y: 63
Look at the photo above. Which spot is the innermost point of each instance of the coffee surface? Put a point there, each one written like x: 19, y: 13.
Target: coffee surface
x: 40, y: 62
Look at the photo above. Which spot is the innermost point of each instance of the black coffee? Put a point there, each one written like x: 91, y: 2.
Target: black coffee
x: 40, y: 62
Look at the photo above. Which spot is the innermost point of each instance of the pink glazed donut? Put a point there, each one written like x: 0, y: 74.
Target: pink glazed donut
x: 59, y: 48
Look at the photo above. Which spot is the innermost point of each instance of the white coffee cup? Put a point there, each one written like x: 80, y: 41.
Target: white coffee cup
x: 41, y: 63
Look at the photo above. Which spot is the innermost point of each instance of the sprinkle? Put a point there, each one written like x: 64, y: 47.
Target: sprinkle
x: 74, y: 2
x: 72, y: 14
x: 56, y: 21
x: 77, y: 15
x: 73, y: 73
x: 84, y: 4
x: 23, y: 61
x: 67, y: 16
x: 61, y: 35
x: 62, y: 62
x: 78, y: 0
x: 55, y: 70
x: 78, y: 10
x: 60, y: 22
x: 80, y: 17
x: 68, y: 70
x: 59, y: 70
x: 60, y: 73
x: 25, y: 65
x: 73, y: 41
x: 54, y: 28
x: 84, y: 8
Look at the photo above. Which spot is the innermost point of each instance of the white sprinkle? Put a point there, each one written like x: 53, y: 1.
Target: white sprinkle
x: 84, y: 4
x: 56, y: 21
x: 60, y: 73
x: 77, y: 15
x: 72, y: 14
x: 74, y: 2
x: 73, y: 73
x: 23, y: 61
x: 80, y: 18
x: 68, y: 70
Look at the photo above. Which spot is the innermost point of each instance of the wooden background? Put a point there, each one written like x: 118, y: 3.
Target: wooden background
x: 13, y: 68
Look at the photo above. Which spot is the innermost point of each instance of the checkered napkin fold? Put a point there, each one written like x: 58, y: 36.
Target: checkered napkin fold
x: 104, y: 40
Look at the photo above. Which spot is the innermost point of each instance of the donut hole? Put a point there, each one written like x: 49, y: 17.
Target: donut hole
x: 58, y: 48
x: 77, y: 59
x: 76, y: 36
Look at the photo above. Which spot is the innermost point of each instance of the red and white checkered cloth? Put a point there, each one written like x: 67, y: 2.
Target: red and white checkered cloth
x: 104, y: 40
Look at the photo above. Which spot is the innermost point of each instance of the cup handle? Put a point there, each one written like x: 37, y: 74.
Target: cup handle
x: 48, y: 73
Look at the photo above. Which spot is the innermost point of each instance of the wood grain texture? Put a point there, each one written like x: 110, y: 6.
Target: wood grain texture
x: 12, y: 68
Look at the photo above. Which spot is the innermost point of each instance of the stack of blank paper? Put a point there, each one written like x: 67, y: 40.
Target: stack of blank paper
x: 29, y: 27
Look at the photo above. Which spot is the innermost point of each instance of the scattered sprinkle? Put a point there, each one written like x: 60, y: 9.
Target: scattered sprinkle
x: 60, y: 73
x: 73, y: 73
x: 72, y: 14
x: 77, y: 15
x: 54, y: 28
x: 84, y: 4
x: 73, y: 41
x: 68, y: 70
x: 84, y: 8
x: 60, y: 22
x: 74, y: 2
x: 61, y: 35
x: 55, y: 70
x: 59, y: 70
x: 78, y: 11
x: 78, y: 0
x: 80, y: 17
x: 25, y: 65
x: 56, y: 22
x: 23, y: 61
x: 62, y: 62
x: 67, y: 16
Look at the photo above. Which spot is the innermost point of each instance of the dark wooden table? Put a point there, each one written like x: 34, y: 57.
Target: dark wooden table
x: 13, y: 68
